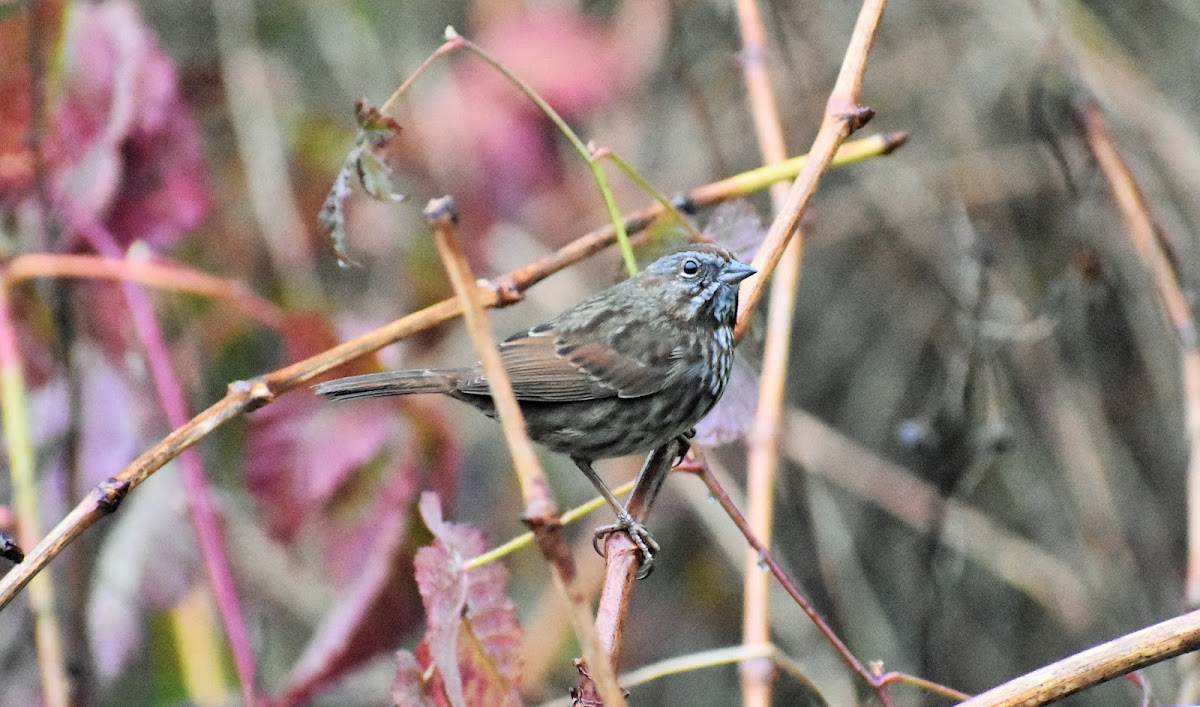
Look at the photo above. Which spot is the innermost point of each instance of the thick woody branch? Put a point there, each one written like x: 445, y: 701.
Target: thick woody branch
x: 622, y: 558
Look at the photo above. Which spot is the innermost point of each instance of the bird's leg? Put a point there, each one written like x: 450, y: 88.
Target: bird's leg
x: 625, y: 522
x: 645, y: 489
x: 654, y: 471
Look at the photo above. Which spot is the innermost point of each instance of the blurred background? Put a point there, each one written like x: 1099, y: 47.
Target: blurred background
x: 985, y: 448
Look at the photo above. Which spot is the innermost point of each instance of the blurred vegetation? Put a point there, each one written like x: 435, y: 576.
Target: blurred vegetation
x: 971, y: 310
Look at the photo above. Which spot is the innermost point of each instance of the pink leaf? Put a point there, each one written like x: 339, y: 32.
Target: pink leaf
x: 472, y: 637
x: 376, y: 607
x: 408, y: 686
x: 301, y: 450
x: 133, y: 157
x: 733, y: 415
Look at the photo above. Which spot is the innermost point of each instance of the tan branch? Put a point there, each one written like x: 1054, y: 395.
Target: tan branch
x: 177, y: 278
x: 541, y: 512
x: 762, y: 455
x: 1093, y: 666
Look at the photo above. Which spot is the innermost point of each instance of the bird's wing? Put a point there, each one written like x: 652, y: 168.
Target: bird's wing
x: 550, y: 366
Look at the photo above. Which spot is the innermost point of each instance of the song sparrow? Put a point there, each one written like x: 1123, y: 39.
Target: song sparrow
x: 626, y: 370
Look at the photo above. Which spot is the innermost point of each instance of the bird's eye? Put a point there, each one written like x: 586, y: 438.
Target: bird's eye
x: 690, y: 267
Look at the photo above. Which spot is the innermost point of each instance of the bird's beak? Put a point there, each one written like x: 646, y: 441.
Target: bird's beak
x: 735, y: 271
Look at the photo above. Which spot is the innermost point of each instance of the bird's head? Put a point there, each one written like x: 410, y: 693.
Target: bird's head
x: 702, y: 281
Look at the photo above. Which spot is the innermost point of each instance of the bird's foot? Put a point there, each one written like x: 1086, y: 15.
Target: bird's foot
x: 640, y: 536
x: 685, y: 445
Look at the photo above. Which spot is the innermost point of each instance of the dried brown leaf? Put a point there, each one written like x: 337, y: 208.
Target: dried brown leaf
x: 367, y: 160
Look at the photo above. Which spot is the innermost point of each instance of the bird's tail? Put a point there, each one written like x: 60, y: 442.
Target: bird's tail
x: 429, y: 380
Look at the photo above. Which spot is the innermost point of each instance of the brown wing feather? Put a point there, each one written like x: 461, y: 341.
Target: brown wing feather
x: 539, y: 373
x: 550, y: 366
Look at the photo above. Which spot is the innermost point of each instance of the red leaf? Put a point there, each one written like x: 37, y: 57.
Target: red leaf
x: 376, y: 607
x: 16, y: 158
x: 133, y: 158
x: 472, y: 637
x: 302, y: 450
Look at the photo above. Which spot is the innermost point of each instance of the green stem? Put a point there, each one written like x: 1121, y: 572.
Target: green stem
x: 524, y: 539
x: 580, y: 147
x: 15, y: 414
x: 647, y: 187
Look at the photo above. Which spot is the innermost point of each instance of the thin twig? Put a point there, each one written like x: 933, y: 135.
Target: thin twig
x: 450, y: 45
x: 15, y: 413
x: 762, y: 455
x: 1135, y: 212
x: 704, y: 659
x: 541, y: 511
x: 198, y: 494
x: 164, y: 276
x: 525, y: 539
x: 585, y: 153
x: 894, y: 678
x: 697, y: 661
x: 591, y: 155
x: 843, y: 115
x: 824, y: 452
x: 645, y: 185
x: 878, y: 681
x: 766, y: 558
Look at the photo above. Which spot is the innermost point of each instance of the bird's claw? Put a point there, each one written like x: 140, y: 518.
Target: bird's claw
x: 640, y: 536
x: 685, y: 445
